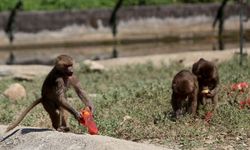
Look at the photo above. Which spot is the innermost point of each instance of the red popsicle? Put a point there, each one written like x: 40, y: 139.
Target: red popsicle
x: 88, y: 121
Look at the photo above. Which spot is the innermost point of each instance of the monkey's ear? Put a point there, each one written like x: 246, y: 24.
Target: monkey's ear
x: 56, y: 61
x: 202, y: 59
x: 196, y: 68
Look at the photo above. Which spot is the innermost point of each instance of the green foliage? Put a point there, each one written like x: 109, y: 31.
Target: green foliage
x: 199, y: 1
x: 133, y: 102
x: 7, y: 4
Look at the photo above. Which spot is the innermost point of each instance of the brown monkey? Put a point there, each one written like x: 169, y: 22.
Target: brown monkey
x: 184, y: 93
x: 208, y: 78
x: 53, y: 96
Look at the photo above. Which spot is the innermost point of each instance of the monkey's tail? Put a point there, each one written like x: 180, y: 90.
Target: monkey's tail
x: 15, y: 123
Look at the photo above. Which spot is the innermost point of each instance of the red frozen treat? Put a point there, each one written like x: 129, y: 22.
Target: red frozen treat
x: 208, y: 116
x: 88, y: 121
x: 239, y: 86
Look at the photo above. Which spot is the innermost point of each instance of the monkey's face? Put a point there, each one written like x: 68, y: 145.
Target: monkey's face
x: 64, y: 64
x: 68, y: 70
x: 208, y: 77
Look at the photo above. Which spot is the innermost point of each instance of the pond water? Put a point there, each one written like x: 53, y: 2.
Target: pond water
x: 125, y: 49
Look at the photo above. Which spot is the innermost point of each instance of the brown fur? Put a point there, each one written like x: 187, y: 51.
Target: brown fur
x: 53, y: 96
x: 184, y: 93
x: 207, y: 75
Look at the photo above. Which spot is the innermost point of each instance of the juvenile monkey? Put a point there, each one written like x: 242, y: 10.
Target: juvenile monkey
x: 53, y: 96
x: 208, y: 78
x: 184, y: 93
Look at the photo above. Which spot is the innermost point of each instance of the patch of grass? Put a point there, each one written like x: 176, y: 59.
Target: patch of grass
x: 133, y: 103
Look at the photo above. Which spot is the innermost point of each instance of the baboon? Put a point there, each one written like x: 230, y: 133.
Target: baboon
x: 53, y: 96
x: 208, y: 79
x: 184, y: 93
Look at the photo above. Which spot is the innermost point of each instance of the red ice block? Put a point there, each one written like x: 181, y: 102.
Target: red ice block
x: 244, y: 103
x: 88, y: 121
x: 239, y: 86
x: 208, y: 116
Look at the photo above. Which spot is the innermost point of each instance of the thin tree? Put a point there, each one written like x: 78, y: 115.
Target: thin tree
x: 220, y: 17
x: 9, y: 28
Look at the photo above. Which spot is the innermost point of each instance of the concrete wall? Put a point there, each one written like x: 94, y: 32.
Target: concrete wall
x: 37, y: 21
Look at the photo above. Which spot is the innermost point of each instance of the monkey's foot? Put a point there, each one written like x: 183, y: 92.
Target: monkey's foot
x: 63, y: 129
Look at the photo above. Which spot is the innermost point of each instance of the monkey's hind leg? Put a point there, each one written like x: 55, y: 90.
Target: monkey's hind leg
x: 63, y: 124
x: 176, y: 105
x: 53, y: 112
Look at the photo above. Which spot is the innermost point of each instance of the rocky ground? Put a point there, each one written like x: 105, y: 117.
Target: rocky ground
x: 40, y: 139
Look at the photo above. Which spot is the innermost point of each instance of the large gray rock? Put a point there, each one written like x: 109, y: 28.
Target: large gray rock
x: 15, y: 92
x: 24, y: 70
x: 92, y: 66
x: 40, y: 139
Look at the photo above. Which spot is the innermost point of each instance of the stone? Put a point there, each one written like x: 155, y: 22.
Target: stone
x: 15, y: 92
x: 42, y: 138
x: 92, y: 66
x: 23, y: 77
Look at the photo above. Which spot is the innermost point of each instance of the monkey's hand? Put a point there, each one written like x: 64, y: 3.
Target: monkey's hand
x: 205, y: 90
x: 209, y: 94
x: 90, y: 106
x: 78, y: 117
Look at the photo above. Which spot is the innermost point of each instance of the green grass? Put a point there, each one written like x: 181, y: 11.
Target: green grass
x: 143, y: 92
x: 86, y: 4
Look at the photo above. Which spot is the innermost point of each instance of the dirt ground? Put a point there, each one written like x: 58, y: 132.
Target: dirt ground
x: 186, y: 58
